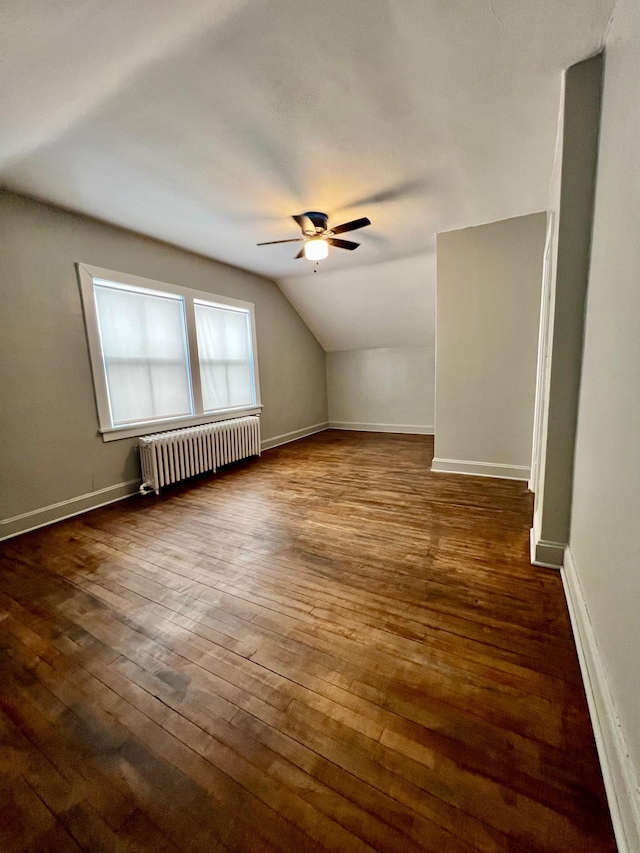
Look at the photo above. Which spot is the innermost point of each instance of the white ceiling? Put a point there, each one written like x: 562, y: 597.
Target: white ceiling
x: 208, y: 123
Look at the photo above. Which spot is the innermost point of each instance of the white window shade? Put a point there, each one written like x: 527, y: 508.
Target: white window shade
x: 225, y: 356
x: 145, y: 355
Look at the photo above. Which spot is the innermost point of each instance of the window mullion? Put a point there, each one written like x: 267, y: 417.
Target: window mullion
x: 194, y: 361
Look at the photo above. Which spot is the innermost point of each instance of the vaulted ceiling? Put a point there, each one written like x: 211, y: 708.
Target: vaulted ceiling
x: 207, y: 124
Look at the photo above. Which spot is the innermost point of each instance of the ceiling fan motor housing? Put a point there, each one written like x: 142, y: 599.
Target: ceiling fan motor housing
x: 318, y: 220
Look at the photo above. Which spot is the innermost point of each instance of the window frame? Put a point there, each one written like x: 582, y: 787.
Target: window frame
x: 87, y: 276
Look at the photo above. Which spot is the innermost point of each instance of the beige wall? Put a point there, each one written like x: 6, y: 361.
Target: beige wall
x: 488, y: 304
x: 605, y: 520
x: 49, y: 445
x: 386, y: 388
x: 580, y: 122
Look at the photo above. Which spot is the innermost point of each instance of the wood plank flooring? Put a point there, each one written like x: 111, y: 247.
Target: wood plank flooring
x: 330, y: 648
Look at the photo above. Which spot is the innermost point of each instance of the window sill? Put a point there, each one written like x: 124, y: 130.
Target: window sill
x: 136, y: 430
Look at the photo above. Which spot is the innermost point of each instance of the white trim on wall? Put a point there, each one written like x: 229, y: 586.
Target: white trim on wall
x: 481, y: 469
x: 622, y: 786
x: 36, y: 518
x: 118, y: 433
x: 409, y: 429
x: 294, y: 435
x: 549, y: 555
x: 544, y: 352
x: 90, y: 276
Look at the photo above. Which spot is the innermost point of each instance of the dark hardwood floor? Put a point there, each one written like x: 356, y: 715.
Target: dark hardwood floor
x: 330, y: 648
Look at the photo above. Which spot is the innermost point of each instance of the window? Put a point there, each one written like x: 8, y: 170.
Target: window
x: 144, y: 353
x: 164, y: 356
x: 224, y: 351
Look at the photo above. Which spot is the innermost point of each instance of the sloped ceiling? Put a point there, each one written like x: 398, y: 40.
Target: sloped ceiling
x: 388, y: 304
x: 207, y: 124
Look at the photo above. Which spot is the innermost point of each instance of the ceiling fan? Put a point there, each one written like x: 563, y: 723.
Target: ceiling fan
x: 317, y: 236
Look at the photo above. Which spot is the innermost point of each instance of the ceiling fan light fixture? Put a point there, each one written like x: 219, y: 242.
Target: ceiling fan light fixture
x: 317, y: 236
x: 316, y: 249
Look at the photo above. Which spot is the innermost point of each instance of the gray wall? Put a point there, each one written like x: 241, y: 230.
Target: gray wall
x: 488, y: 305
x: 577, y: 186
x: 604, y: 539
x: 50, y: 449
x: 384, y: 388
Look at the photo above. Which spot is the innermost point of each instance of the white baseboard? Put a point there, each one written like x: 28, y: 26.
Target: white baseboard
x: 294, y: 435
x: 621, y: 782
x: 406, y: 429
x: 66, y: 509
x: 549, y: 555
x: 43, y: 516
x: 480, y: 469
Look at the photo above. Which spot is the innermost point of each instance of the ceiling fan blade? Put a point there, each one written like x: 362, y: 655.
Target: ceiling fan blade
x: 302, y: 221
x: 273, y: 242
x: 406, y: 189
x: 342, y: 244
x: 299, y: 255
x: 351, y: 226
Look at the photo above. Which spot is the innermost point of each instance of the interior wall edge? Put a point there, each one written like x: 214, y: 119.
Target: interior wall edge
x: 621, y: 784
x: 583, y: 85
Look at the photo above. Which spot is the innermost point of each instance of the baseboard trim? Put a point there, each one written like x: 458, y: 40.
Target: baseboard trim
x: 37, y: 518
x: 480, y: 469
x: 621, y: 783
x: 406, y: 429
x: 294, y: 435
x: 549, y: 555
